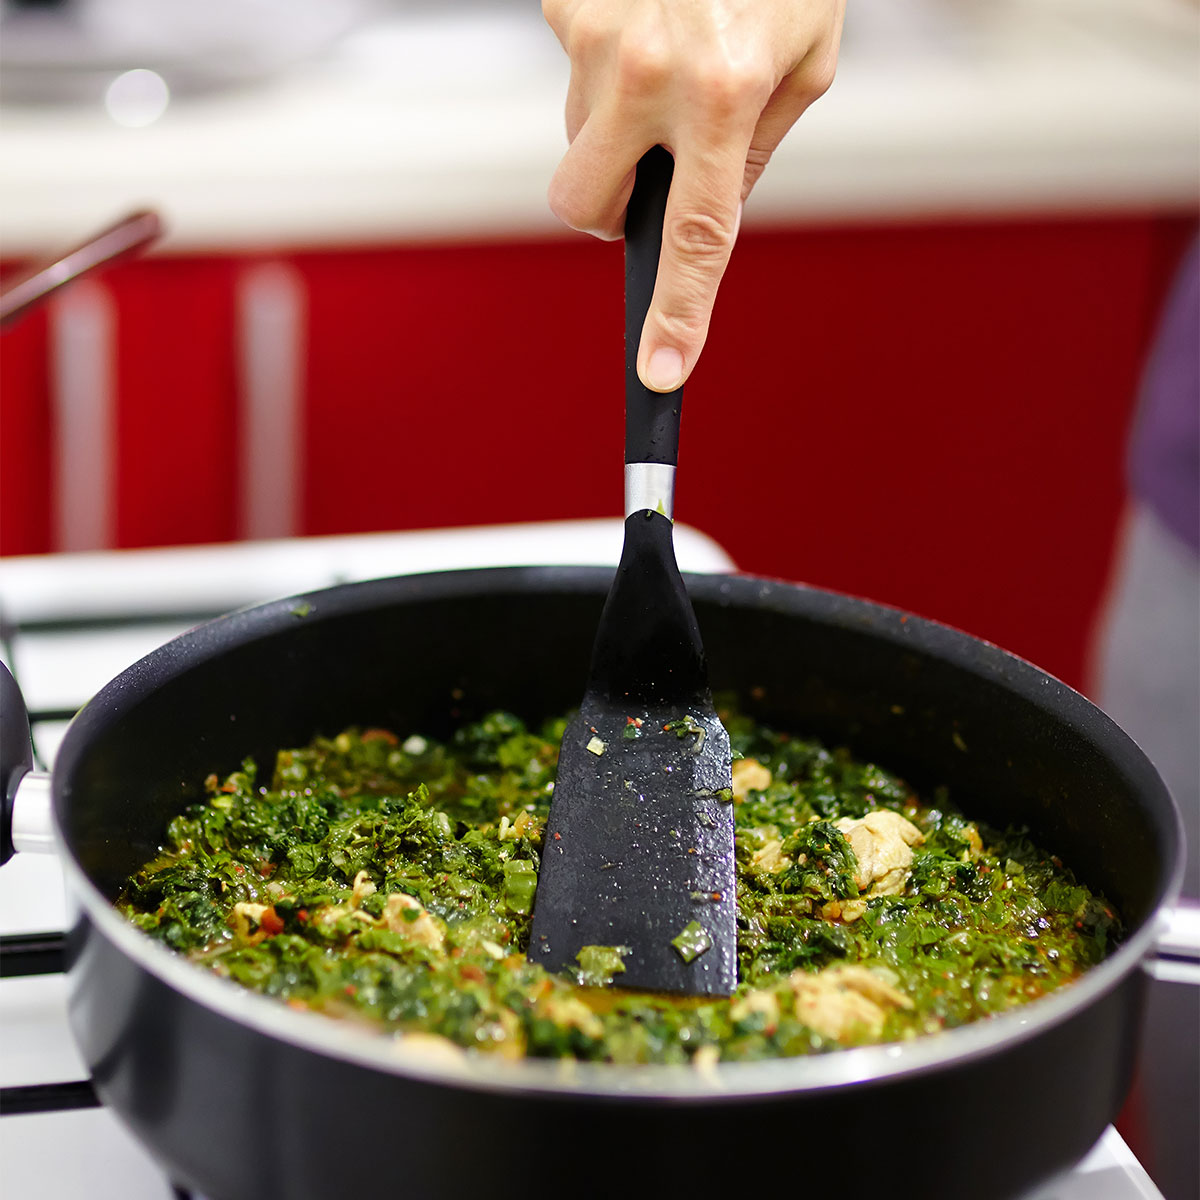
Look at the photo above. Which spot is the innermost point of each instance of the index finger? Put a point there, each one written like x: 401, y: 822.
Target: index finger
x: 699, y: 230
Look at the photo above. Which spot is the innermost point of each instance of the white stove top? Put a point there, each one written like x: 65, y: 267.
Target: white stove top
x: 69, y: 623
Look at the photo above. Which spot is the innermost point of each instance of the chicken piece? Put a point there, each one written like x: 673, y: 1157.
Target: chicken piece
x: 840, y: 1002
x: 973, y: 840
x: 570, y: 1012
x: 770, y: 858
x: 881, y: 842
x: 705, y: 1060
x: 749, y: 775
x: 332, y: 913
x: 247, y: 920
x: 421, y: 928
x: 364, y: 886
x: 525, y: 825
x: 759, y: 1002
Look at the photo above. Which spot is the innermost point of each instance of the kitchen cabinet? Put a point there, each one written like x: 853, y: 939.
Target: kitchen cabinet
x: 933, y: 415
x: 920, y: 374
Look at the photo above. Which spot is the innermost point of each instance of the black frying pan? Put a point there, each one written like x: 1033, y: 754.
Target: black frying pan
x: 242, y: 1098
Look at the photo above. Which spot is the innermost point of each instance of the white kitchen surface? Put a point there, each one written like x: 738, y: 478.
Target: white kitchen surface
x: 445, y: 120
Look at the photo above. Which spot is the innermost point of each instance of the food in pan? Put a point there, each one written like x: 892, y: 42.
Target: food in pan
x: 391, y: 880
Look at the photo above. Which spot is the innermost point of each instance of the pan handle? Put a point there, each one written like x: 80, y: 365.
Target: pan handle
x: 24, y: 793
x: 1177, y: 951
x: 128, y: 236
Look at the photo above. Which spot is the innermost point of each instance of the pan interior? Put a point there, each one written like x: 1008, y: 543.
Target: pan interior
x: 426, y: 653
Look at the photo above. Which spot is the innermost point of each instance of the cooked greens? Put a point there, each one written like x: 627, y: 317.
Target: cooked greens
x: 392, y: 881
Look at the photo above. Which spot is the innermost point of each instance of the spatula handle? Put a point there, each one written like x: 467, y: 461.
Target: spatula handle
x: 651, y: 418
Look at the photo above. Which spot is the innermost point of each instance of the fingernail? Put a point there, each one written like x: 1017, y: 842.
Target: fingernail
x: 664, y: 369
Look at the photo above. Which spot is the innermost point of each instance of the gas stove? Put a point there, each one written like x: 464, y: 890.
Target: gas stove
x: 68, y: 624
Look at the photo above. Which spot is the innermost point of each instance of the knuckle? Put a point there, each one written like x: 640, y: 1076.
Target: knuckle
x: 587, y: 33
x: 727, y: 90
x: 643, y: 65
x: 700, y: 236
x: 756, y: 164
x: 818, y: 76
x: 684, y: 326
x: 754, y: 172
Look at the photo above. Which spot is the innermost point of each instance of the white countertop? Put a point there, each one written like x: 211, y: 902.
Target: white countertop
x: 440, y: 121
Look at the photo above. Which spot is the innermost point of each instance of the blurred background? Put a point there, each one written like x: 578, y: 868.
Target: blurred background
x: 924, y: 367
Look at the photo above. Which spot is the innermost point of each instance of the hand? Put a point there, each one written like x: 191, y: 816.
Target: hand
x: 718, y: 83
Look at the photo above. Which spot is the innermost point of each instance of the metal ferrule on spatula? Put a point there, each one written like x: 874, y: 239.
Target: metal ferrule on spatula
x: 650, y: 486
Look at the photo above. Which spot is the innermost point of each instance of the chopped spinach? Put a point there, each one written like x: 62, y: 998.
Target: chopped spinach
x: 393, y: 880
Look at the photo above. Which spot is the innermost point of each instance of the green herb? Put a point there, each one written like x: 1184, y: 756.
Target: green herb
x: 691, y: 941
x: 599, y: 965
x: 393, y: 878
x: 520, y: 884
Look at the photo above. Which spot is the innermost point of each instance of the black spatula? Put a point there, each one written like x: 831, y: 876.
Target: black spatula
x: 638, y: 850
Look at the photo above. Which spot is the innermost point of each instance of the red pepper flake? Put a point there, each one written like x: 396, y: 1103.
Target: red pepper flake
x: 239, y: 870
x: 350, y: 989
x: 266, y: 868
x: 270, y: 922
x: 229, y: 786
x: 717, y: 896
x: 558, y: 837
x: 473, y: 973
x: 636, y: 722
x: 302, y: 916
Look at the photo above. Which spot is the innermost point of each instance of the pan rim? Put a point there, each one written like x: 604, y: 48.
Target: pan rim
x: 862, y: 1066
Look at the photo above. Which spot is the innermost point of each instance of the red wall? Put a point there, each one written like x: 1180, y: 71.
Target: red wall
x: 930, y: 416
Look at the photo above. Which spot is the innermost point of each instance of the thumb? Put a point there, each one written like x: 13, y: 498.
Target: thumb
x: 699, y: 231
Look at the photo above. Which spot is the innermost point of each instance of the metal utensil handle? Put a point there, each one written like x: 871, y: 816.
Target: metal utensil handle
x: 651, y: 418
x: 16, y: 755
x: 127, y: 236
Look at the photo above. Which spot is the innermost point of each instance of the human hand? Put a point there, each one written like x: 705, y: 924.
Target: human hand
x: 718, y: 83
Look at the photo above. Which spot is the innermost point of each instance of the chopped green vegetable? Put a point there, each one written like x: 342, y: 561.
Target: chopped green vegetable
x: 691, y: 941
x: 599, y: 965
x: 394, y: 878
x: 520, y: 884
